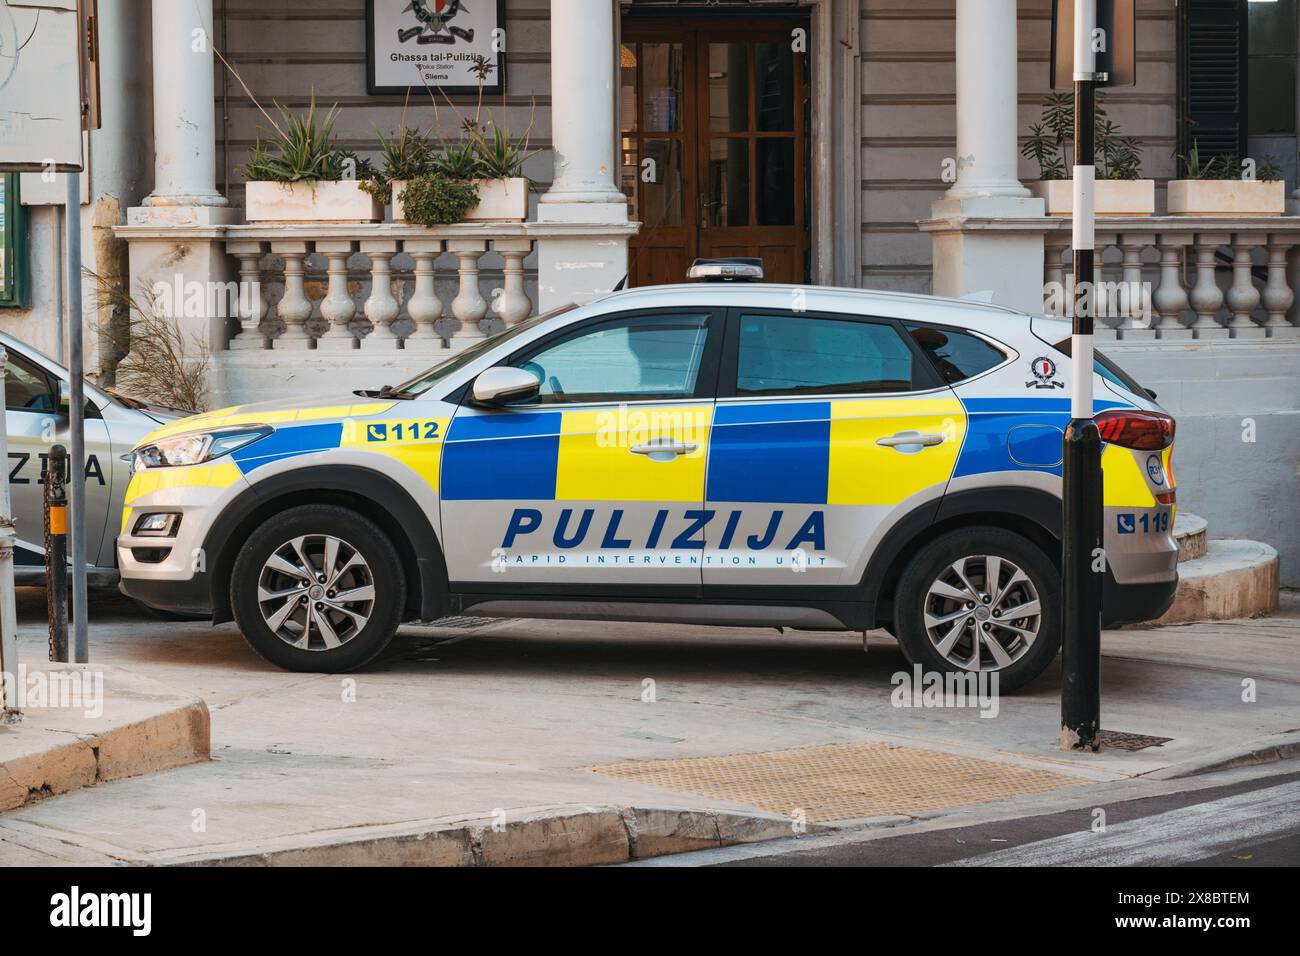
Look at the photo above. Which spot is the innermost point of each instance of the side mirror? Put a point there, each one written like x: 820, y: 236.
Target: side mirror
x: 65, y: 395
x: 495, y: 386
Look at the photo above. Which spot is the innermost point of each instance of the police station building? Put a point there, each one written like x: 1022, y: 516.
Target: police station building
x: 890, y: 144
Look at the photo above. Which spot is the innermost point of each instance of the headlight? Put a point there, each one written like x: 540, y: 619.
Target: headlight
x: 195, y: 448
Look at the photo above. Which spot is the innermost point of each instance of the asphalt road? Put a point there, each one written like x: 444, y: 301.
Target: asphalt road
x: 1251, y: 823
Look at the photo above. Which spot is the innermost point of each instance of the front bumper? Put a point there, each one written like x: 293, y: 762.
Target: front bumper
x: 172, y: 573
x: 183, y: 597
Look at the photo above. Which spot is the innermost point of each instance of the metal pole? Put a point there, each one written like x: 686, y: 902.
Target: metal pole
x: 59, y: 319
x: 56, y: 552
x: 8, y: 607
x: 76, y: 426
x: 1081, y: 466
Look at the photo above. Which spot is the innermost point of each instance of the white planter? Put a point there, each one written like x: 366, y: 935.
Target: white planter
x: 399, y: 211
x: 1112, y: 197
x: 1226, y: 197
x: 500, y: 200
x: 323, y: 201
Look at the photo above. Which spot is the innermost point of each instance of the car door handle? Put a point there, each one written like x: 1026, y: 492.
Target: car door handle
x: 664, y: 449
x: 917, y: 440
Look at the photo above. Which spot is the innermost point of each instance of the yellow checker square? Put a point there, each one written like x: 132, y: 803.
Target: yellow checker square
x: 597, y: 463
x: 864, y: 473
x: 416, y: 442
x: 1123, y: 483
x: 219, y: 474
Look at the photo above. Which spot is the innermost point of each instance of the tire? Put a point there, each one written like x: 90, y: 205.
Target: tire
x: 326, y: 633
x: 938, y: 575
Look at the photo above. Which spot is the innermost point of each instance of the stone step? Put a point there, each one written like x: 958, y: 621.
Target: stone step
x: 1190, y: 533
x: 1235, y: 579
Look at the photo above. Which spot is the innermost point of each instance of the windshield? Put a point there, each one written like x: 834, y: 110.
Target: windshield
x: 428, y: 379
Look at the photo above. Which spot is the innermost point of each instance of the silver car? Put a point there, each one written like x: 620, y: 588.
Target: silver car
x: 36, y: 415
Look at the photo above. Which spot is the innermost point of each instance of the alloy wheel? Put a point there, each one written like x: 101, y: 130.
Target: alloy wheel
x: 982, y: 613
x: 316, y: 592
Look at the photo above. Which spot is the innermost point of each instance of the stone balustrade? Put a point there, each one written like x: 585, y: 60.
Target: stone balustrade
x: 1182, y: 278
x: 435, y: 301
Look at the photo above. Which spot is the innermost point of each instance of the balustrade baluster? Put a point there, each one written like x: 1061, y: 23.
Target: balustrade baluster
x: 1206, y: 297
x: 251, y: 306
x: 424, y: 307
x: 381, y: 307
x: 294, y: 307
x: 1278, y: 296
x: 469, y: 306
x: 337, y: 306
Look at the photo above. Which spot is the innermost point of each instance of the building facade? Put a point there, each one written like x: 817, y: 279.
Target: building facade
x: 874, y: 143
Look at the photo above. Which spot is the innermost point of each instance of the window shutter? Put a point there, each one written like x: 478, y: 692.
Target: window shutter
x: 1212, y: 78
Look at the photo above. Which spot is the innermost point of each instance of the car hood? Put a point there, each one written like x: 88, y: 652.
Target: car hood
x: 333, y: 405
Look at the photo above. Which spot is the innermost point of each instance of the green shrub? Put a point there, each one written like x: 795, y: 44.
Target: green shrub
x: 1050, y: 142
x: 302, y: 149
x: 438, y: 200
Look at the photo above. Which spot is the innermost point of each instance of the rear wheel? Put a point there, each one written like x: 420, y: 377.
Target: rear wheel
x: 318, y: 588
x: 980, y: 600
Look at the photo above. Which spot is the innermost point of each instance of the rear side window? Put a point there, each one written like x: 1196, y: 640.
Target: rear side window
x: 955, y: 355
x: 805, y: 355
x: 1105, y: 366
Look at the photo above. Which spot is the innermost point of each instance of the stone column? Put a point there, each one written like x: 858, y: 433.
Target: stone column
x: 184, y: 117
x: 987, y: 153
x: 584, y: 107
x: 184, y: 189
x: 1009, y: 264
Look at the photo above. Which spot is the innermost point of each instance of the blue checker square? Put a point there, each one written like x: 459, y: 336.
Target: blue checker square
x: 502, y: 457
x: 786, y: 462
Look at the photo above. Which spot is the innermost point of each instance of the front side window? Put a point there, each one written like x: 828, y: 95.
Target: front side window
x: 637, y: 358
x: 803, y: 355
x: 955, y: 355
x: 27, y: 388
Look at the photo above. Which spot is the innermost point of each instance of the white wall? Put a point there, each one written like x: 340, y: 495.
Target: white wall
x: 1222, y: 396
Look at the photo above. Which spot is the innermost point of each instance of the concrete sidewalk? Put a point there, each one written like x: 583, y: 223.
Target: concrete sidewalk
x: 467, y: 740
x: 80, y: 725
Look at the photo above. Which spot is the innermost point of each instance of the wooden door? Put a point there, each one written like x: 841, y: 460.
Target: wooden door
x: 714, y: 137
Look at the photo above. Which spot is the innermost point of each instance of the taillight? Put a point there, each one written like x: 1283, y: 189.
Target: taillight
x: 1133, y: 428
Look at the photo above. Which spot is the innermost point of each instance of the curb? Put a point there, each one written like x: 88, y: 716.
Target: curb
x: 1259, y: 752
x: 1235, y: 579
x: 590, y: 836
x: 144, y: 727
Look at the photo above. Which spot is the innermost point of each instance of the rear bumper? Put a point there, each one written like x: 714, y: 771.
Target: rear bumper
x: 1135, y: 603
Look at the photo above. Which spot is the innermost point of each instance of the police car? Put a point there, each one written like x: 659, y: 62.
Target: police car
x: 752, y: 455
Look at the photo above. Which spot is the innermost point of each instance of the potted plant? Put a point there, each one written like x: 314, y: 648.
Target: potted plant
x: 406, y: 156
x: 1219, y: 188
x: 434, y: 199
x: 303, y: 177
x: 490, y: 158
x: 502, y: 185
x: 1118, y: 190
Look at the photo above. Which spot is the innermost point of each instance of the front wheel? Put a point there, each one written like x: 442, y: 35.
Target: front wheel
x: 980, y: 600
x: 318, y: 588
